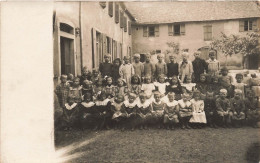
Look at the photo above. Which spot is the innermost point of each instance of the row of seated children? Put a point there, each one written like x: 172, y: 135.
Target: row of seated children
x: 149, y: 107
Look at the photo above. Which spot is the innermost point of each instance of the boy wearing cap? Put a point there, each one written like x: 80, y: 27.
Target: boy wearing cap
x: 199, y: 66
x: 223, y: 109
x: 105, y: 68
x: 138, y: 66
x: 238, y: 108
x: 185, y: 67
x: 126, y: 70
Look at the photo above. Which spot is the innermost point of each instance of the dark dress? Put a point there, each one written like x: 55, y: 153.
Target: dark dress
x: 70, y: 115
x: 103, y: 108
x: 106, y: 69
x: 210, y: 107
x: 115, y: 73
x: 129, y: 109
x: 172, y: 69
x: 88, y: 114
x: 199, y: 66
x: 177, y: 89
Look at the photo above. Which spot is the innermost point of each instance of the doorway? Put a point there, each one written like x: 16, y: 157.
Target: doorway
x: 67, y: 55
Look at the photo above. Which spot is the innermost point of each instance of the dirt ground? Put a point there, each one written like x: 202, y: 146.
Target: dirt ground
x: 160, y: 145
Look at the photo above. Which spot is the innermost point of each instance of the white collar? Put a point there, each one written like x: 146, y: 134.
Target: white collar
x: 78, y: 88
x: 102, y: 103
x: 143, y: 105
x: 158, y: 103
x: 88, y: 105
x: 130, y: 105
x: 171, y: 104
x: 70, y: 107
x: 210, y: 60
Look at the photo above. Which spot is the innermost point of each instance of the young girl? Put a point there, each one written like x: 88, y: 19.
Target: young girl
x: 109, y: 88
x: 62, y: 90
x: 144, y: 111
x: 117, y: 111
x: 160, y: 85
x: 160, y: 66
x: 186, y: 68
x: 87, y: 87
x: 87, y: 111
x: 202, y: 85
x: 70, y: 113
x: 121, y: 87
x: 135, y: 86
x: 76, y: 90
x: 198, y: 115
x: 188, y: 87
x: 115, y: 69
x: 185, y: 111
x: 171, y: 112
x: 97, y: 88
x: 126, y: 70
x: 129, y: 109
x: 175, y: 87
x: 158, y: 109
x: 148, y: 87
x: 85, y: 75
x: 214, y: 86
x: 210, y: 109
x: 252, y: 109
x: 148, y: 66
x: 95, y: 76
x: 103, y: 107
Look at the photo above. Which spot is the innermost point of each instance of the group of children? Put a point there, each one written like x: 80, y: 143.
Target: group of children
x: 126, y: 95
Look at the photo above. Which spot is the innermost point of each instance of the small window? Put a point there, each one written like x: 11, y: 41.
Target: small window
x: 151, y: 31
x: 207, y: 32
x: 66, y: 28
x: 247, y: 25
x: 177, y: 29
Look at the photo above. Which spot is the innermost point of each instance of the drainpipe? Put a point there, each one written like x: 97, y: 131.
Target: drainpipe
x: 81, y: 53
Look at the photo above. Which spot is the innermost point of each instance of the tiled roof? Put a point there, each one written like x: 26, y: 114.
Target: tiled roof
x: 169, y: 12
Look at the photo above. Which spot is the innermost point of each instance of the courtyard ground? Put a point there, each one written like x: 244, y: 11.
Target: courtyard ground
x: 160, y: 145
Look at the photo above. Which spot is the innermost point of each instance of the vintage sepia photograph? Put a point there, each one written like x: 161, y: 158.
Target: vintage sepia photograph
x: 130, y: 81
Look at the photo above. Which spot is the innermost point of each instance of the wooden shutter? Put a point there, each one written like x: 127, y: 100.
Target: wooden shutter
x: 94, y: 48
x: 121, y: 19
x: 125, y: 24
x: 110, y: 9
x: 241, y: 25
x: 182, y: 30
x: 156, y: 28
x: 254, y: 25
x: 145, y: 31
x: 129, y: 28
x: 170, y: 30
x: 104, y: 50
x: 116, y: 13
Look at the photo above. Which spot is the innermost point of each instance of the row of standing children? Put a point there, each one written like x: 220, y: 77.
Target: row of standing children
x: 128, y: 81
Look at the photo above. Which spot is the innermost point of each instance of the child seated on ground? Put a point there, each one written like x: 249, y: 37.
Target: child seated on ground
x: 161, y: 85
x: 105, y: 68
x: 87, y: 87
x: 202, y: 85
x: 62, y: 90
x: 148, y: 87
x: 160, y: 66
x: 87, y: 111
x: 144, y: 111
x: 126, y: 70
x: 172, y: 67
x: 252, y: 109
x: 198, y: 118
x: 129, y: 110
x: 158, y: 109
x: 175, y: 87
x: 76, y: 90
x: 214, y: 86
x: 185, y: 111
x: 135, y: 86
x: 97, y: 88
x: 70, y: 113
x: 224, y: 112
x: 117, y: 110
x: 138, y: 66
x: 171, y: 112
x: 121, y: 87
x: 239, y: 84
x: 210, y: 109
x: 226, y: 81
x: 103, y: 107
x: 238, y: 108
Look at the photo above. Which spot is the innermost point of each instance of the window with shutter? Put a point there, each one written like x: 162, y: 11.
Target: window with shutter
x: 151, y: 31
x: 110, y: 9
x: 207, y: 32
x: 116, y: 13
x: 121, y: 19
x: 157, y: 31
x: 145, y: 31
x: 177, y: 29
x: 255, y: 26
x: 182, y: 29
x: 104, y: 50
x: 170, y: 30
x: 125, y: 24
x: 247, y: 25
x: 129, y: 28
x: 94, y: 52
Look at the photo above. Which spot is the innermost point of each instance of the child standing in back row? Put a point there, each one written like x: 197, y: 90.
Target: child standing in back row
x: 126, y: 70
x: 105, y: 68
x: 172, y: 67
x: 138, y: 66
x: 148, y: 66
x: 185, y: 67
x: 160, y: 66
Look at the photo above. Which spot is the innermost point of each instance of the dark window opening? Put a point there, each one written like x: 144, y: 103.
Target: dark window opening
x: 151, y: 31
x: 177, y: 29
x: 66, y: 28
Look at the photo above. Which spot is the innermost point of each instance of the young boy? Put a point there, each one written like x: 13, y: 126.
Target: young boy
x: 160, y: 66
x: 210, y: 109
x: 126, y: 70
x: 213, y: 64
x: 86, y: 75
x: 105, y: 68
x: 223, y: 108
x: 158, y: 109
x: 238, y: 108
x: 199, y: 66
x: 225, y: 81
x: 185, y: 67
x: 239, y: 84
x: 172, y: 67
x: 62, y: 90
x: 252, y: 109
x: 148, y: 66
x: 138, y: 66
x: 76, y: 90
x: 95, y: 75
